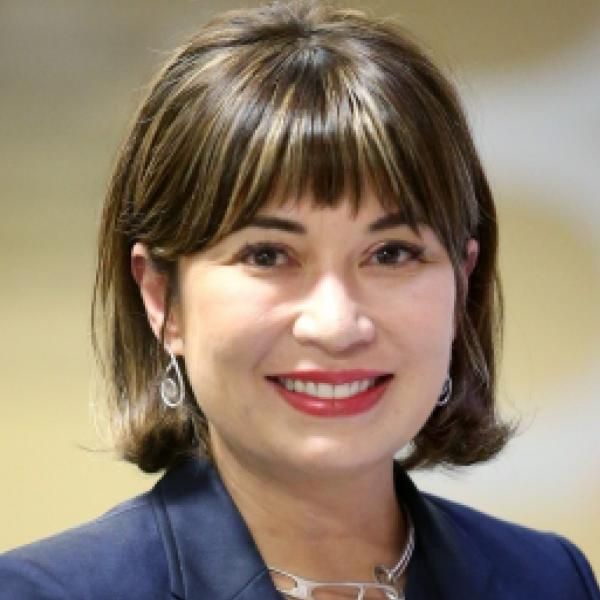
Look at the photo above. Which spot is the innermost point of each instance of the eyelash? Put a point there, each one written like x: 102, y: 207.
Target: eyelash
x: 413, y: 252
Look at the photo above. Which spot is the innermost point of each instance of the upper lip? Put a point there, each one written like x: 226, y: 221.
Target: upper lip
x: 333, y: 377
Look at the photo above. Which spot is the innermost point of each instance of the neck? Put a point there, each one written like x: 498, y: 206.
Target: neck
x: 325, y: 526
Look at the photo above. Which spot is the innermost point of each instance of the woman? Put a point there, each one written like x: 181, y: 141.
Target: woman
x: 297, y: 279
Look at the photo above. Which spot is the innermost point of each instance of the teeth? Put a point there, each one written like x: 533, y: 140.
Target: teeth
x: 324, y: 390
x: 327, y: 390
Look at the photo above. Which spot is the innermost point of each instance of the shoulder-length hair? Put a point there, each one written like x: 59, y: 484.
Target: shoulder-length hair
x: 274, y: 102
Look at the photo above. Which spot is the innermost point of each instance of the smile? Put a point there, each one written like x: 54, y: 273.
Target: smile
x: 341, y: 394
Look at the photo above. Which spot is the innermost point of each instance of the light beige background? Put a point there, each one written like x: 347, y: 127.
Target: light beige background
x: 71, y: 72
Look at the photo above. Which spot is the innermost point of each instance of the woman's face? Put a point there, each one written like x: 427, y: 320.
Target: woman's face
x: 317, y: 296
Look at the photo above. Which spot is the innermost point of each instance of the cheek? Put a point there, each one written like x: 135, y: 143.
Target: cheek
x: 435, y: 321
x: 225, y: 319
x: 421, y: 317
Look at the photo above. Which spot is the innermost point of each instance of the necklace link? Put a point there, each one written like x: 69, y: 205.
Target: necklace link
x: 389, y: 576
x: 303, y: 588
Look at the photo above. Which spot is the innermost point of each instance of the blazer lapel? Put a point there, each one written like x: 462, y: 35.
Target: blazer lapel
x: 446, y: 563
x: 210, y: 552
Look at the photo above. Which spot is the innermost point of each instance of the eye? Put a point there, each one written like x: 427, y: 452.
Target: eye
x: 264, y: 255
x: 396, y: 254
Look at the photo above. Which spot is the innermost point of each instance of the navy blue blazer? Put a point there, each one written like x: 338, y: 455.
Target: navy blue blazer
x: 185, y: 539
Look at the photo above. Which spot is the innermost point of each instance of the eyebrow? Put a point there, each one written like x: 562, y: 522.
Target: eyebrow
x: 388, y: 221
x: 276, y: 223
x: 265, y: 222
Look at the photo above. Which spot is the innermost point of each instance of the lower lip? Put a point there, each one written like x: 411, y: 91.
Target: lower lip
x: 333, y: 407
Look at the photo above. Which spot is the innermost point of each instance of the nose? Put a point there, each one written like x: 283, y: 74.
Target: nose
x: 330, y: 318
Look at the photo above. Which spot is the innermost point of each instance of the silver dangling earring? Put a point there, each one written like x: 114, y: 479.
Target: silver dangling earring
x: 446, y: 392
x: 172, y: 388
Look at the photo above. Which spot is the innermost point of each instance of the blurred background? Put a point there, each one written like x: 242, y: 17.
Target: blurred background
x: 71, y: 75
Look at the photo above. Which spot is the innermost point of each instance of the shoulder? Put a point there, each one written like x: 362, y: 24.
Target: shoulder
x: 522, y: 556
x: 113, y: 556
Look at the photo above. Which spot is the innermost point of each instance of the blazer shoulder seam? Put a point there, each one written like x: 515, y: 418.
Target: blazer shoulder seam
x: 582, y: 566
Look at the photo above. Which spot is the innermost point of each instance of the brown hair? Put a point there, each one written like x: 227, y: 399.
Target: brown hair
x: 280, y: 100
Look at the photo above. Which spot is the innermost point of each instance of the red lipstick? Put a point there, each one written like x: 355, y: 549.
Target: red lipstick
x: 333, y: 407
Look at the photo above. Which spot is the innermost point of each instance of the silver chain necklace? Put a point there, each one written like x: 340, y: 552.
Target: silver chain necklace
x: 298, y: 588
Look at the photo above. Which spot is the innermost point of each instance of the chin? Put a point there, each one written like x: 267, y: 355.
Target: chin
x: 328, y: 456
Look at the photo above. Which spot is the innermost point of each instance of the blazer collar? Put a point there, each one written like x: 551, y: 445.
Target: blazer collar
x: 447, y: 563
x: 211, y: 553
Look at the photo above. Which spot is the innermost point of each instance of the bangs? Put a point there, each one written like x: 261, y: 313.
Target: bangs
x: 301, y: 114
x: 312, y: 128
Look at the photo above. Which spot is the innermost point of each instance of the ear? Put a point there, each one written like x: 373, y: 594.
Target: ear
x: 471, y: 255
x: 154, y: 285
x: 468, y: 264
